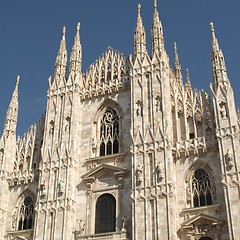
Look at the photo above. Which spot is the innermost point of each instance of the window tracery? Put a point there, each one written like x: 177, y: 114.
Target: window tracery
x: 26, y: 214
x: 109, y: 133
x: 201, y: 188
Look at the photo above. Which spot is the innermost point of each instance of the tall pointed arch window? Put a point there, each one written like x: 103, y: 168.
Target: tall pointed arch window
x: 26, y: 214
x: 201, y: 188
x: 109, y: 132
x: 105, y: 218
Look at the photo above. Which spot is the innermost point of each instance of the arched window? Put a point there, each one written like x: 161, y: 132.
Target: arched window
x: 201, y: 188
x: 26, y: 214
x: 105, y: 219
x: 109, y: 133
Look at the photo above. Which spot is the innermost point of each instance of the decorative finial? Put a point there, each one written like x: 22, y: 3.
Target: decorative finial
x: 64, y: 30
x: 78, y: 26
x: 17, y: 80
x: 139, y: 8
x: 212, y: 26
x: 155, y: 3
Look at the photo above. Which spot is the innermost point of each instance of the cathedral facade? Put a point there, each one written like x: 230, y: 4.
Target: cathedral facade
x: 125, y: 150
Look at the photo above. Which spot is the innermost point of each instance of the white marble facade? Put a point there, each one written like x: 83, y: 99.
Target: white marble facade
x: 125, y: 150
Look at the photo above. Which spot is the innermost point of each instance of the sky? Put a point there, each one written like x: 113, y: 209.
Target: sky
x: 30, y: 33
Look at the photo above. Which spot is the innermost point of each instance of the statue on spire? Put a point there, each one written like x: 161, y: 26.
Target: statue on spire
x: 76, y: 54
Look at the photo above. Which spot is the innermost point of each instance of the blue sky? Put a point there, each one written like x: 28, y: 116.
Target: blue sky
x: 31, y: 32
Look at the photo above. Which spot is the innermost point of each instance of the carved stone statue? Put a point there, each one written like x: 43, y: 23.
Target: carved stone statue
x: 223, y: 112
x: 67, y: 126
x: 139, y: 175
x: 229, y: 159
x: 94, y: 145
x: 139, y: 109
x: 60, y: 186
x: 43, y: 188
x: 14, y: 221
x: 51, y: 130
x: 124, y: 222
x: 1, y: 154
x: 189, y: 196
x: 158, y: 172
x: 158, y: 104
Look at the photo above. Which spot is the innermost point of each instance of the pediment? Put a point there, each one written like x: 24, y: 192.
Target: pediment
x: 201, y: 218
x: 103, y: 169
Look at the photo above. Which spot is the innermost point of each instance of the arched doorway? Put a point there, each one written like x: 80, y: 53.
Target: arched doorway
x: 105, y: 218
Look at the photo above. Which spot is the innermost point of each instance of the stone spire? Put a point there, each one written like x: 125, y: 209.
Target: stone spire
x: 177, y: 66
x: 76, y: 54
x: 218, y: 64
x: 10, y: 124
x: 157, y: 32
x: 61, y: 60
x: 139, y: 37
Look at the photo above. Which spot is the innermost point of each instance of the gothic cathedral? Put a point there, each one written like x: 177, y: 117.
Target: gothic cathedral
x: 125, y: 150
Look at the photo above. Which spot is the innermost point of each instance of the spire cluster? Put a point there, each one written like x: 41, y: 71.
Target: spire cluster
x: 140, y: 48
x: 61, y: 59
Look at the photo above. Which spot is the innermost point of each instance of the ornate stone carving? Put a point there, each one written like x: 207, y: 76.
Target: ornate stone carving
x: 81, y: 226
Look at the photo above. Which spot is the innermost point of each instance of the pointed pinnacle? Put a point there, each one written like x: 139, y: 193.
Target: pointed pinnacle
x: 187, y: 73
x: 177, y: 64
x: 64, y: 30
x: 155, y: 3
x: 17, y: 80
